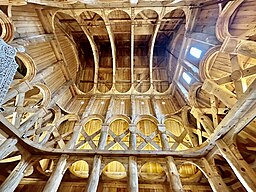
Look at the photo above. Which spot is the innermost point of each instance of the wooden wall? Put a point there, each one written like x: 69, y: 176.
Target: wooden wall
x: 26, y: 21
x: 44, y: 51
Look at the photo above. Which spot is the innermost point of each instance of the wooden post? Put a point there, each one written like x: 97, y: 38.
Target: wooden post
x: 163, y: 136
x: 110, y: 107
x: 132, y: 139
x: 243, y: 171
x: 214, y: 179
x: 133, y: 106
x: 53, y: 182
x: 133, y: 175
x: 94, y: 175
x: 72, y: 142
x: 18, y: 113
x: 156, y: 109
x: 13, y: 180
x: 103, y: 136
x: 89, y: 107
x: 7, y: 147
x: 175, y: 182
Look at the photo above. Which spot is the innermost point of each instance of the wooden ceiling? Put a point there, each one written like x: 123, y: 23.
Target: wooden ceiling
x: 122, y: 48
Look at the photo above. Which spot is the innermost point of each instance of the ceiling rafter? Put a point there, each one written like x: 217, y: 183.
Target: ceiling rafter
x: 152, y: 44
x: 94, y: 48
x: 112, y: 43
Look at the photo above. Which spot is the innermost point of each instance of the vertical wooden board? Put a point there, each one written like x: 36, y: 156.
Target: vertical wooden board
x: 26, y: 21
x: 64, y: 99
x: 100, y: 106
x: 55, y: 80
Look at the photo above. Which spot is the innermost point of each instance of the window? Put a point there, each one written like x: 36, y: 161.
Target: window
x: 186, y: 77
x: 183, y: 90
x: 195, y: 52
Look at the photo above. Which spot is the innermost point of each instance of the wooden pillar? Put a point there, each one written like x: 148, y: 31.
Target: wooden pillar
x: 163, y: 136
x: 94, y: 177
x: 89, y: 107
x: 133, y: 106
x: 95, y: 173
x: 72, y: 142
x: 103, y: 136
x: 110, y: 107
x: 175, y: 182
x: 158, y: 113
x: 133, y: 175
x: 7, y: 147
x: 53, y: 182
x: 243, y: 171
x: 13, y: 180
x: 214, y: 179
x: 223, y: 94
x: 132, y: 139
x: 18, y: 113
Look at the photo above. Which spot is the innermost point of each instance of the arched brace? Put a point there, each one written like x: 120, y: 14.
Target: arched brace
x: 29, y: 64
x: 118, y: 117
x: 91, y: 117
x: 46, y: 94
x: 152, y: 44
x: 173, y: 117
x: 145, y: 117
x: 222, y: 25
x: 207, y: 62
x: 112, y: 42
x: 7, y: 28
x: 69, y: 117
x: 57, y: 113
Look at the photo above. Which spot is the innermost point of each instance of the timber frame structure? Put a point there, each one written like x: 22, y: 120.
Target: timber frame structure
x: 140, y: 95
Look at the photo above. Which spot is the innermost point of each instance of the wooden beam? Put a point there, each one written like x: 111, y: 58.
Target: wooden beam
x: 112, y: 43
x: 94, y: 177
x: 95, y: 50
x: 7, y: 147
x: 223, y: 94
x: 133, y: 175
x: 13, y: 180
x: 241, y: 168
x: 54, y: 181
x: 174, y: 176
x: 152, y: 44
x: 132, y: 45
x: 216, y: 182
